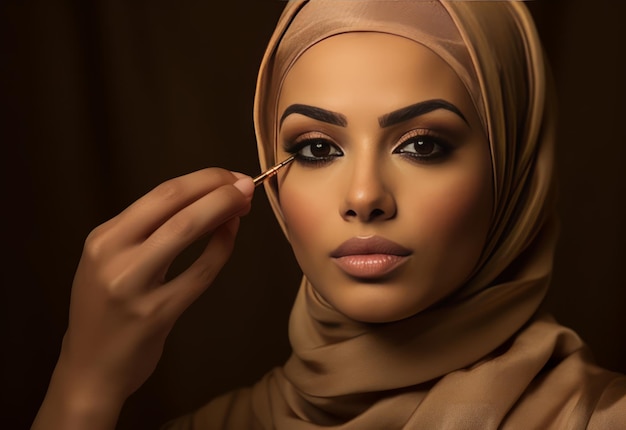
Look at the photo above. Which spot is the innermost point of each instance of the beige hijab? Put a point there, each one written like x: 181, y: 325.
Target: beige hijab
x: 483, y: 358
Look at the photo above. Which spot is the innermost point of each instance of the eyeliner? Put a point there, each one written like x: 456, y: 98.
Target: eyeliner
x: 272, y: 171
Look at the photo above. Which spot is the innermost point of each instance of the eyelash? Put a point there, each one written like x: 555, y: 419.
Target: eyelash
x: 307, y: 141
x: 421, y: 136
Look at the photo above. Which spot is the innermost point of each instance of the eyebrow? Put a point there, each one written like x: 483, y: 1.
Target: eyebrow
x: 418, y: 109
x: 315, y: 113
x: 387, y: 120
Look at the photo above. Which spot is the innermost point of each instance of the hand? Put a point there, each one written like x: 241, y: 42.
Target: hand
x: 122, y: 308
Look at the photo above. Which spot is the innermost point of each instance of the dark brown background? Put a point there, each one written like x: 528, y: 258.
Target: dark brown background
x: 104, y: 99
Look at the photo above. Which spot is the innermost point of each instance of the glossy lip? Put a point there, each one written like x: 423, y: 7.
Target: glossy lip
x: 369, y: 257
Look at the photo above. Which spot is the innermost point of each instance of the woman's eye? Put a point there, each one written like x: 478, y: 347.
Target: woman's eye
x: 422, y: 148
x: 317, y: 151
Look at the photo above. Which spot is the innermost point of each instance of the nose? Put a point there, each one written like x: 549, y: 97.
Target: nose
x: 368, y: 197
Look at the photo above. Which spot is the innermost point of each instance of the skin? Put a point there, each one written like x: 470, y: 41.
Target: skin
x: 440, y: 211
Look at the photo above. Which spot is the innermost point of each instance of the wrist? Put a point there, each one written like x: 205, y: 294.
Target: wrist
x: 76, y: 402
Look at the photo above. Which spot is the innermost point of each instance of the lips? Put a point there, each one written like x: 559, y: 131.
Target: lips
x: 369, y: 258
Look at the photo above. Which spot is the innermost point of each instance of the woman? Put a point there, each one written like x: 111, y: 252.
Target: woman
x: 420, y: 208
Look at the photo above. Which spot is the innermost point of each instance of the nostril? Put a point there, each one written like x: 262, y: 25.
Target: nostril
x: 376, y: 213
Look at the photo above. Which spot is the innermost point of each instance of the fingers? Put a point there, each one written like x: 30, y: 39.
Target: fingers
x: 130, y: 258
x: 192, y: 222
x: 178, y: 294
x: 148, y: 213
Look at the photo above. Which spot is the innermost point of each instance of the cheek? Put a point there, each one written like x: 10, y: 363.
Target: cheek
x: 298, y: 216
x: 304, y: 209
x: 454, y: 223
x: 459, y: 207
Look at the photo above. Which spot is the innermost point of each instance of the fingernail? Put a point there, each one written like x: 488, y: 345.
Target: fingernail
x: 239, y: 175
x: 246, y: 186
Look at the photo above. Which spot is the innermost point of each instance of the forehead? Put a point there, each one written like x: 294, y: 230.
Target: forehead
x: 366, y: 67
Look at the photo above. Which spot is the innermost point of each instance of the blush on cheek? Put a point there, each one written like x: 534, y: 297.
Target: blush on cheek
x: 460, y: 217
x: 451, y: 224
x: 469, y: 212
x: 306, y: 222
x: 463, y: 206
x: 463, y: 192
x: 299, y: 212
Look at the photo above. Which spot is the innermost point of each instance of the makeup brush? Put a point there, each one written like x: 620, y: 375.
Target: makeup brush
x: 272, y: 171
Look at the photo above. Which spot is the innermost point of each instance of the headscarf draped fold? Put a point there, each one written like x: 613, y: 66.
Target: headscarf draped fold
x: 484, y: 358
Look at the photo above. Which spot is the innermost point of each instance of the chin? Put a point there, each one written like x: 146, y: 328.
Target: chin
x: 372, y: 303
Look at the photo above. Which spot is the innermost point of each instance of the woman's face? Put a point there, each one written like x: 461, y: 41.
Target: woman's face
x: 389, y: 201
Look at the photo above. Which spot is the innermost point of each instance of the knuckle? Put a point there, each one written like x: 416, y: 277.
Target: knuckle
x: 146, y: 309
x: 169, y: 190
x: 218, y: 175
x: 206, y: 274
x: 180, y: 225
x: 118, y: 284
x: 211, y: 262
x: 97, y: 243
x: 152, y: 312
